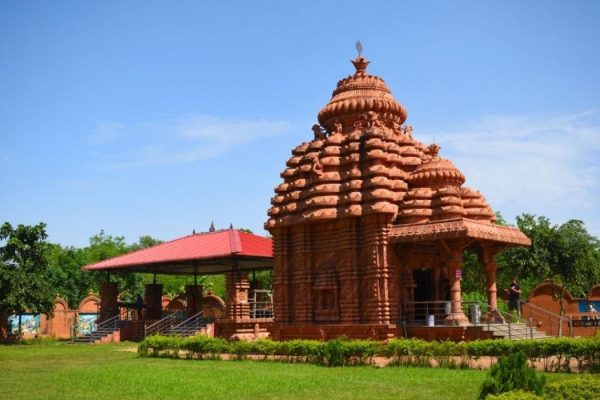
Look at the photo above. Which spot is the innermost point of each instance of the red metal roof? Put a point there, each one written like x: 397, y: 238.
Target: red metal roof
x: 209, y: 252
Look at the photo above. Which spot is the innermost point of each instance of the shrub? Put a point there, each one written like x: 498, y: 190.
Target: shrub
x: 335, y: 353
x: 512, y: 373
x: 581, y: 388
x: 514, y: 395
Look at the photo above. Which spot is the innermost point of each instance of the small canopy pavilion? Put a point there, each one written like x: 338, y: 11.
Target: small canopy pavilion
x: 230, y: 252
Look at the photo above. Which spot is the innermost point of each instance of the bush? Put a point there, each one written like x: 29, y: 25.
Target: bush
x: 514, y: 395
x: 512, y: 373
x: 581, y: 388
x: 555, y: 353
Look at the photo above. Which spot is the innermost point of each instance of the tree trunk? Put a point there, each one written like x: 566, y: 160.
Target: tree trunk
x: 20, y: 331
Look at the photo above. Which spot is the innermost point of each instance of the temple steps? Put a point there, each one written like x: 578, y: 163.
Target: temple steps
x: 514, y: 331
x: 99, y: 336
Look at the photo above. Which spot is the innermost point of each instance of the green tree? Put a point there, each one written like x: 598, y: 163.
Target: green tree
x: 565, y: 254
x: 24, y: 274
x: 71, y: 283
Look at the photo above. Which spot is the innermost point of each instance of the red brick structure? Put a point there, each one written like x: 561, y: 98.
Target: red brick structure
x: 368, y: 220
x: 229, y: 252
x: 543, y: 306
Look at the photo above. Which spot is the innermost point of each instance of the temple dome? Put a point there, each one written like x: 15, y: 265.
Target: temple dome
x: 436, y: 172
x: 358, y: 94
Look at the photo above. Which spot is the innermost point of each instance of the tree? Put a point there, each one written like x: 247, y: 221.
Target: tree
x: 24, y: 274
x: 566, y: 254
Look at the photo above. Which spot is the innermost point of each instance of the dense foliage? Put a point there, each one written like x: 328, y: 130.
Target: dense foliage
x: 512, y: 373
x: 24, y: 274
x: 553, y: 354
x: 566, y: 254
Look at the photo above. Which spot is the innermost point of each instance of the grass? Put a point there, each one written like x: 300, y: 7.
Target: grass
x: 58, y: 370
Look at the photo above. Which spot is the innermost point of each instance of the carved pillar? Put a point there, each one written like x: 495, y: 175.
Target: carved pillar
x: 487, y: 257
x: 153, y: 301
x: 375, y: 289
x: 349, y: 302
x: 193, y: 296
x: 237, y: 286
x: 280, y: 277
x: 108, y: 300
x: 457, y: 316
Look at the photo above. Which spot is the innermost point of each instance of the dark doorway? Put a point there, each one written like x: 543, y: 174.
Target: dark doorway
x: 423, y: 293
x: 424, y: 284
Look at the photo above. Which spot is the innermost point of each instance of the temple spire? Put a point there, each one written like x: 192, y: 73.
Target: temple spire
x: 212, y: 227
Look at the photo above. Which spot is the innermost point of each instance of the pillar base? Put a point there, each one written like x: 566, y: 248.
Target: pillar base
x: 457, y: 319
x: 493, y: 316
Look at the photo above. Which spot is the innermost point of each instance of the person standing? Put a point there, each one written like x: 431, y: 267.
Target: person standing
x: 139, y: 305
x: 514, y: 297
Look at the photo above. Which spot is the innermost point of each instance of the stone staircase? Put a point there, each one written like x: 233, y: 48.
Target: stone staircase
x: 105, y: 332
x: 513, y: 331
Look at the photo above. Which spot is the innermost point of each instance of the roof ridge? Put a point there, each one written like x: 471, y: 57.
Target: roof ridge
x: 235, y: 242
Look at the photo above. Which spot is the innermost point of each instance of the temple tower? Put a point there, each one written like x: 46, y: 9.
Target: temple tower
x: 342, y: 264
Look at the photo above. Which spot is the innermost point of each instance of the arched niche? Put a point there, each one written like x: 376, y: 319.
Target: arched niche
x: 90, y: 304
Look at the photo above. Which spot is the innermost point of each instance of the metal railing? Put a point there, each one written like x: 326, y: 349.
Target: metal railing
x: 261, y: 304
x: 189, y: 327
x: 162, y: 325
x: 261, y: 309
x: 555, y: 323
x: 432, y: 313
x: 102, y: 329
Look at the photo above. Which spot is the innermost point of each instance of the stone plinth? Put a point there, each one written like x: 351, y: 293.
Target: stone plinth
x: 237, y: 285
x: 153, y: 301
x: 109, y: 293
x: 193, y: 295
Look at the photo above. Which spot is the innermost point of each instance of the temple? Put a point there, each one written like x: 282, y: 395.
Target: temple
x: 369, y: 224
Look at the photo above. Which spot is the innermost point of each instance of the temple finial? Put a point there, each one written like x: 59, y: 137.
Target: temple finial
x: 434, y: 149
x: 360, y: 63
x: 359, y: 48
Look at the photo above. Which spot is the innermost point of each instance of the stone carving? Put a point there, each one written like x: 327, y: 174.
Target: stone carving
x: 337, y: 127
x: 351, y: 198
x: 319, y: 132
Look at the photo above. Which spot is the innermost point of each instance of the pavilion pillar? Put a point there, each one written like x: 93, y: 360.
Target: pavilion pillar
x: 457, y: 316
x: 153, y: 301
x: 237, y: 285
x: 109, y: 293
x: 487, y: 257
x: 193, y: 296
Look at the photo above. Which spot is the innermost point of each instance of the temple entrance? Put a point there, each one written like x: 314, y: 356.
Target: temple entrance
x: 423, y: 295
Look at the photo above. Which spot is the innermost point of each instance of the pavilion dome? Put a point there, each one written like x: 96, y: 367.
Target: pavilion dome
x: 436, y: 172
x: 358, y: 94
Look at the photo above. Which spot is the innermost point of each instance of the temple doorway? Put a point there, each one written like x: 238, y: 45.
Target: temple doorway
x: 423, y: 295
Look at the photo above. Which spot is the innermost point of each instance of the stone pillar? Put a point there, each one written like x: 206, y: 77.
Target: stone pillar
x: 488, y: 259
x: 237, y: 286
x: 347, y: 260
x: 193, y: 296
x: 457, y: 316
x: 153, y: 301
x: 109, y: 293
x: 280, y: 276
x: 375, y: 295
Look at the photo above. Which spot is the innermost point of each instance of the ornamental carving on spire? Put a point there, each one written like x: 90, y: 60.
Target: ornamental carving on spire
x: 363, y: 160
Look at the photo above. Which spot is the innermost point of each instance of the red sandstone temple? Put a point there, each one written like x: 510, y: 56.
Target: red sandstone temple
x: 369, y: 224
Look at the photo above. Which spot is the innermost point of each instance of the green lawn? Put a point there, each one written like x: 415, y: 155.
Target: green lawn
x: 64, y: 371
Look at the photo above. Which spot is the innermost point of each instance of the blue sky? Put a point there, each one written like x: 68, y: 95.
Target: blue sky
x: 159, y: 117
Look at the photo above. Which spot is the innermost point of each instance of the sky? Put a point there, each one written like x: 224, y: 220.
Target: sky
x: 156, y: 118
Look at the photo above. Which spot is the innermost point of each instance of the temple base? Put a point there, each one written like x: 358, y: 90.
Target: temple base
x: 457, y: 319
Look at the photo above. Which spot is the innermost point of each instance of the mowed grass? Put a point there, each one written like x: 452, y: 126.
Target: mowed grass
x: 65, y: 371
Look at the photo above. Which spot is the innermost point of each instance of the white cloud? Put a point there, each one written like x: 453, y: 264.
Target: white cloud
x: 545, y: 165
x: 182, y: 140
